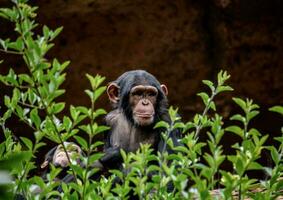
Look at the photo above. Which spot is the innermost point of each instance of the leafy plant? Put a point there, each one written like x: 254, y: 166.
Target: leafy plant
x: 192, y: 170
x: 33, y: 101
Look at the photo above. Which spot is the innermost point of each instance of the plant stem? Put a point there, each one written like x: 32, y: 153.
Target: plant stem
x: 89, y: 150
x: 12, y: 52
x: 17, y: 86
x: 37, y: 85
x: 199, y: 126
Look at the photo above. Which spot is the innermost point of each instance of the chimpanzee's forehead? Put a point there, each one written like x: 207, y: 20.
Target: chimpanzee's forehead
x: 137, y: 77
x: 142, y: 80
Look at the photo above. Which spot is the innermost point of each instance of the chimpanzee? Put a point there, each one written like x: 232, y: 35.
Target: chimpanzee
x: 139, y: 102
x: 58, y: 157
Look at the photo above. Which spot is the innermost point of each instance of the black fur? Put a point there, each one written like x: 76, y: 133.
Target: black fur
x: 112, y: 157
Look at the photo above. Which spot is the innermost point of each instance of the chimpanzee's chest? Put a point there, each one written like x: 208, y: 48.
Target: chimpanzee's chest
x: 129, y: 138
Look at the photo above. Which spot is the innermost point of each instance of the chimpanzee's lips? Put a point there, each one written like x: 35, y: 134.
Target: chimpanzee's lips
x: 144, y: 115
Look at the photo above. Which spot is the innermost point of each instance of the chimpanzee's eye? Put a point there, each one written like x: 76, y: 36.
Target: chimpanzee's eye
x: 152, y: 94
x: 138, y: 93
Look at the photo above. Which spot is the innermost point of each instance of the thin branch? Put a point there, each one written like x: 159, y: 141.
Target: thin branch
x: 89, y: 150
x: 29, y: 105
x: 199, y: 127
x: 12, y: 52
x: 17, y: 86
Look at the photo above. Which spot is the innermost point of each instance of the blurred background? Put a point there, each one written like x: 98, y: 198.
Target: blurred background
x: 181, y: 42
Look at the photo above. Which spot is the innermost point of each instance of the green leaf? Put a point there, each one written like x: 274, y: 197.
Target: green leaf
x: 118, y: 173
x: 232, y: 158
x: 7, y: 101
x: 27, y: 142
x: 252, y: 114
x: 92, y: 81
x: 254, y: 132
x: 82, y: 109
x: 90, y: 94
x: 12, y: 77
x: 64, y: 65
x: 3, y: 13
x: 20, y: 111
x: 162, y: 124
x: 67, y: 123
x: 174, y: 157
x: 58, y: 107
x: 38, y: 181
x: 178, y: 125
x: 82, y: 142
x: 205, y: 98
x: 239, y: 165
x: 278, y: 109
x: 16, y: 97
x: 212, y: 106
x: 238, y: 117
x: 18, y: 45
x: 99, y: 112
x: 96, y: 144
x: 181, y: 149
x: 26, y: 78
x: 69, y: 134
x: 255, y: 166
x: 35, y: 118
x: 46, y: 32
x: 268, y: 170
x: 123, y: 154
x: 74, y: 113
x: 7, y: 115
x: 209, y: 84
x: 222, y: 76
x: 56, y: 32
x: 274, y: 154
x: 40, y: 144
x: 98, y: 92
x: 101, y: 129
x: 240, y: 103
x: 223, y: 89
x: 188, y: 126
x: 235, y: 129
x: 209, y: 159
x: 86, y: 128
x: 173, y: 113
x: 3, y: 43
x: 13, y: 161
x: 95, y: 157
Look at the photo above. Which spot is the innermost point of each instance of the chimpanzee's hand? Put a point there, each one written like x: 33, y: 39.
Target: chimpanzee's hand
x: 97, y: 164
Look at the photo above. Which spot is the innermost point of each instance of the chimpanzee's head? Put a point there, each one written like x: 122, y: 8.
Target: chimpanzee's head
x: 58, y: 157
x: 140, y: 96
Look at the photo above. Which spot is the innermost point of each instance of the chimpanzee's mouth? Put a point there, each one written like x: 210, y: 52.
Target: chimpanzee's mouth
x: 144, y: 115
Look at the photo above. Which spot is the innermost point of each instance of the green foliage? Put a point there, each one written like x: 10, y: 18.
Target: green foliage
x: 192, y: 171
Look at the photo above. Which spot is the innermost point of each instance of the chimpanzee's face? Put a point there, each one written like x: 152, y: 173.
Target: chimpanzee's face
x: 142, y: 100
x: 60, y: 157
x: 139, y: 95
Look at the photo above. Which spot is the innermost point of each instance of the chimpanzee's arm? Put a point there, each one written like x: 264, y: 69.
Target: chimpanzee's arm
x: 112, y: 157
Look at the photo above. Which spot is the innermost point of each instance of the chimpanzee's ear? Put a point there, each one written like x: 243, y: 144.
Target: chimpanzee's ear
x: 48, y: 157
x: 113, y: 92
x: 164, y: 89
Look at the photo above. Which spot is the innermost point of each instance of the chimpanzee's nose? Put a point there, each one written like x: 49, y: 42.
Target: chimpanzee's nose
x: 145, y: 102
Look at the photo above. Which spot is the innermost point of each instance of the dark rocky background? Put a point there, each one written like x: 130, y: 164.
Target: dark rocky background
x: 181, y: 42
